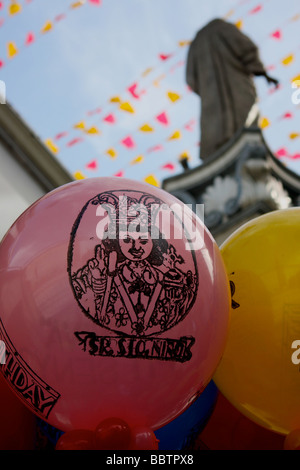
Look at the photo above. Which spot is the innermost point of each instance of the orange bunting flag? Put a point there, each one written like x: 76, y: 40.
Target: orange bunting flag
x: 112, y: 153
x: 264, y: 122
x: 184, y: 156
x: 77, y: 4
x: 93, y: 130
x: 79, y: 125
x: 288, y: 60
x: 174, y: 136
x: 51, y: 146
x: 184, y: 43
x: 14, y: 8
x: 147, y: 71
x: 296, y: 79
x: 12, y: 50
x: 115, y: 99
x: 146, y: 128
x: 158, y: 80
x: 173, y: 96
x: 239, y: 24
x: 78, y: 175
x: 294, y: 135
x: 151, y: 179
x: 47, y: 27
x: 137, y: 160
x: 127, y: 107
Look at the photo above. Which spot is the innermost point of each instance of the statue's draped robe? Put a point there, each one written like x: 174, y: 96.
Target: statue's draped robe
x: 221, y: 63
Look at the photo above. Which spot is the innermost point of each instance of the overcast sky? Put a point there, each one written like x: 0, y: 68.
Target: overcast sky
x: 95, y: 52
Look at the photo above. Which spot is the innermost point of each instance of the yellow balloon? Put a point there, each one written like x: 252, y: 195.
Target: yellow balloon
x: 260, y: 369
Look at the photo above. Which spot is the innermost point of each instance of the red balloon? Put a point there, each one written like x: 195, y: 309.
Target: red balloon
x: 143, y: 438
x: 17, y: 423
x: 292, y: 440
x: 77, y: 439
x: 112, y: 434
x: 114, y: 301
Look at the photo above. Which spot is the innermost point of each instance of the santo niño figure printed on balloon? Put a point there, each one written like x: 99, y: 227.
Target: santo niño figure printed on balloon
x: 134, y: 283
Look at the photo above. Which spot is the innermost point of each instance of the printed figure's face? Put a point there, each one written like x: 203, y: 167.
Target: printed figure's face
x: 136, y: 246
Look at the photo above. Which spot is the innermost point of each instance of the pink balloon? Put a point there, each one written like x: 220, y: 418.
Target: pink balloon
x: 132, y: 325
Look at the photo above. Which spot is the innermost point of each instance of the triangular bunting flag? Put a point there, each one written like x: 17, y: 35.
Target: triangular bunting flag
x: 127, y: 107
x: 146, y: 128
x: 110, y: 118
x: 137, y: 160
x: 47, y: 27
x: 175, y: 135
x: 77, y: 4
x: 165, y: 56
x: 294, y: 135
x: 78, y: 175
x: 60, y: 135
x: 120, y: 174
x: 79, y: 125
x: 12, y: 50
x: 93, y: 165
x: 288, y: 60
x: 112, y: 153
x: 163, y: 118
x: 74, y: 142
x: 239, y: 24
x: 184, y: 43
x: 128, y: 142
x: 151, y: 179
x: 29, y: 38
x: 51, y: 146
x: 168, y: 166
x: 95, y: 2
x: 14, y: 8
x: 115, y: 99
x: 255, y: 10
x: 173, y: 96
x: 277, y: 34
x: 264, y: 122
x: 93, y: 130
x: 282, y: 152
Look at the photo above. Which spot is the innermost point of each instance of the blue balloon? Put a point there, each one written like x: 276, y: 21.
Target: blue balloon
x: 182, y: 432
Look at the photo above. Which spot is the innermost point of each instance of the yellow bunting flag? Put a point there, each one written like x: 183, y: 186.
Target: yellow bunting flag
x: 264, y: 122
x: 173, y: 96
x: 115, y: 99
x: 151, y: 179
x: 77, y: 4
x: 174, y: 136
x: 156, y: 82
x: 146, y: 128
x: 79, y: 125
x: 112, y: 153
x: 296, y: 17
x: 12, y: 50
x: 147, y: 71
x: 137, y: 160
x: 296, y: 79
x: 51, y: 146
x: 184, y: 156
x: 93, y: 130
x: 294, y: 135
x: 47, y: 27
x: 127, y: 107
x: 184, y: 43
x: 78, y: 175
x: 14, y: 8
x: 239, y: 24
x: 287, y: 60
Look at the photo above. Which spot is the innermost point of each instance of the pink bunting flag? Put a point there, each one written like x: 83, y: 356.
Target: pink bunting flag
x: 296, y: 156
x: 128, y: 142
x: 189, y: 126
x: 94, y: 111
x: 29, y: 38
x: 110, y: 118
x: 74, y: 142
x: 165, y: 56
x: 1, y: 63
x: 93, y: 165
x: 169, y: 166
x: 163, y: 118
x: 277, y: 34
x: 60, y: 135
x: 155, y: 148
x: 287, y: 115
x: 282, y: 152
x: 60, y: 17
x: 119, y: 173
x: 1, y: 5
x: 132, y: 91
x: 1, y: 22
x: 255, y: 10
x: 95, y: 2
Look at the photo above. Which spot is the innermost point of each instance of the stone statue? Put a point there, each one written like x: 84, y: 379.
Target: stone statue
x: 220, y: 67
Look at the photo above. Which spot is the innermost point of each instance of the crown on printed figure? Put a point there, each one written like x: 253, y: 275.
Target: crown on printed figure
x: 124, y: 208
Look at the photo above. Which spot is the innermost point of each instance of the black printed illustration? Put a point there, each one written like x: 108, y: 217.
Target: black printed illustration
x: 133, y: 283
